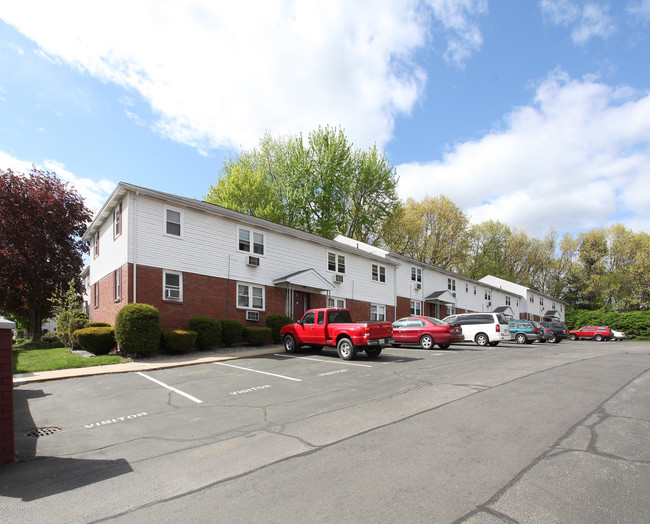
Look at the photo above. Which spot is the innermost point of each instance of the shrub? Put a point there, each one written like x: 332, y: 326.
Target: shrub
x: 96, y: 340
x: 97, y: 324
x: 67, y: 323
x: 178, y: 340
x: 208, y: 331
x: 276, y: 322
x: 257, y: 336
x: 138, y: 329
x: 231, y: 331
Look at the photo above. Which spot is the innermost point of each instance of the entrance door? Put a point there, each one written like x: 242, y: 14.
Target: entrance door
x: 300, y: 304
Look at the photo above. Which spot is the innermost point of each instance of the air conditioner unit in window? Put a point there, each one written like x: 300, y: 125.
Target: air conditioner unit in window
x: 418, y: 286
x: 338, y: 279
x: 172, y: 294
x: 253, y: 261
x: 252, y: 315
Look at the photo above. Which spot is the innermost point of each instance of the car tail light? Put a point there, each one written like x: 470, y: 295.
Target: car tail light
x: 367, y: 332
x: 498, y: 328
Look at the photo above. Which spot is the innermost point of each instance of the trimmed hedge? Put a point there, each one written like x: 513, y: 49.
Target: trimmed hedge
x: 257, y: 336
x: 231, y: 332
x: 96, y: 340
x: 276, y: 322
x: 97, y: 324
x: 633, y: 323
x: 178, y: 340
x: 138, y: 329
x: 208, y: 331
x: 67, y: 323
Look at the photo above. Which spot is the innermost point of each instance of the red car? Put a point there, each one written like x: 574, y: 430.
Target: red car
x: 426, y: 331
x: 591, y: 333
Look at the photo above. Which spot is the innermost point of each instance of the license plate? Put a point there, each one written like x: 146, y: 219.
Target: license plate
x: 382, y: 340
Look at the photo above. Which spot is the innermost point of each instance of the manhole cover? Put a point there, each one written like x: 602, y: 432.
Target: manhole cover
x: 41, y: 432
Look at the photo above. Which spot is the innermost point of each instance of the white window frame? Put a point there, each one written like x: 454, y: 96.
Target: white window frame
x: 179, y: 288
x: 180, y: 221
x: 117, y: 221
x: 96, y: 295
x: 117, y: 285
x: 378, y: 273
x: 377, y: 313
x: 96, y: 245
x: 451, y: 284
x: 339, y: 262
x: 416, y: 274
x: 336, y: 302
x: 507, y: 300
x: 250, y: 295
x: 253, y: 243
x: 416, y: 308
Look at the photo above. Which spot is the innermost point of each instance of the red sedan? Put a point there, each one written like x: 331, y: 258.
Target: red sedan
x: 426, y: 331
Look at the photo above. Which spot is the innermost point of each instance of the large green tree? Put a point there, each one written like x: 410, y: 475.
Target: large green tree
x: 433, y: 230
x: 41, y: 224
x: 320, y: 184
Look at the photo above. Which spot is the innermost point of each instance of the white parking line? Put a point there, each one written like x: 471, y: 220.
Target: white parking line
x: 256, y: 371
x: 170, y: 388
x: 339, y: 362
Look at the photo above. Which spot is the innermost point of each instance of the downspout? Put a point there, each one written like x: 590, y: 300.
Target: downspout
x: 135, y: 265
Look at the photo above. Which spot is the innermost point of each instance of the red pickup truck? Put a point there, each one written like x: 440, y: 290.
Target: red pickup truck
x: 334, y: 327
x: 591, y: 332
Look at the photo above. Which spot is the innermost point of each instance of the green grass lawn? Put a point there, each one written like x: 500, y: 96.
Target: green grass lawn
x: 29, y: 357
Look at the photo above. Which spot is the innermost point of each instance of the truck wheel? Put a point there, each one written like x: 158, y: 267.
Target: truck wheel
x: 481, y: 339
x: 520, y: 338
x: 374, y: 352
x: 346, y: 349
x: 426, y: 342
x: 573, y: 336
x: 290, y: 345
x: 444, y: 346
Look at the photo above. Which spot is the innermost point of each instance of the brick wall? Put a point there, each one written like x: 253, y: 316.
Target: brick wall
x: 106, y: 308
x: 7, y: 451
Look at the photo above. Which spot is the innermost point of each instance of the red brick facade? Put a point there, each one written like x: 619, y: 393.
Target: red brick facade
x: 7, y: 451
x: 202, y: 296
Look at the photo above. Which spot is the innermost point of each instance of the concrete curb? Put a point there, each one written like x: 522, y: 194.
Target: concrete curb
x: 146, y: 365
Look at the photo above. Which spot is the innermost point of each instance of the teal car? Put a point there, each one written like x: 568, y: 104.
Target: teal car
x: 524, y: 331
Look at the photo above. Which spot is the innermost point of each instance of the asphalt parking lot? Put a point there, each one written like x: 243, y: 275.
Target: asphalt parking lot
x: 489, y: 423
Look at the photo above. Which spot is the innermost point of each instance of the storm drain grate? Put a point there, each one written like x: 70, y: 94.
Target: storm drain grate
x: 41, y: 432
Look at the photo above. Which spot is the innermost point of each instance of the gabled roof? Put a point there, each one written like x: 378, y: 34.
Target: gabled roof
x: 444, y: 296
x: 123, y: 188
x: 309, y: 278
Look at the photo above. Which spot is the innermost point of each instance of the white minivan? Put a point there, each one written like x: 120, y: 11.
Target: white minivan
x: 482, y: 328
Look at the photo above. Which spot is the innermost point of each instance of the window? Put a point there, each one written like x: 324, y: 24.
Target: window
x: 475, y: 290
x: 466, y: 287
x: 96, y: 245
x: 416, y: 274
x: 117, y: 285
x: 416, y: 307
x: 378, y: 273
x: 532, y: 299
x: 117, y: 221
x: 377, y: 312
x: 451, y: 310
x: 451, y: 284
x: 335, y: 302
x: 488, y: 294
x: 541, y: 301
x: 507, y: 300
x: 173, y: 222
x: 245, y: 237
x: 335, y: 262
x: 250, y: 296
x: 96, y: 295
x: 172, y: 286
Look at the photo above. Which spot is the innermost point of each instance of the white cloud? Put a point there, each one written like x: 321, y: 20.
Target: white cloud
x: 573, y: 158
x: 640, y: 9
x: 587, y: 19
x: 220, y: 74
x: 94, y: 193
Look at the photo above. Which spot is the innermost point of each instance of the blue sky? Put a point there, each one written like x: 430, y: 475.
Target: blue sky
x: 535, y: 113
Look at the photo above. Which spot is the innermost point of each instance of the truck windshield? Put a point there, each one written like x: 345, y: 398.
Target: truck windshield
x: 339, y: 317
